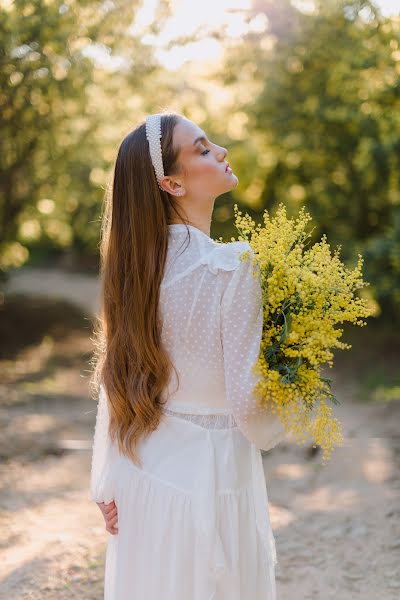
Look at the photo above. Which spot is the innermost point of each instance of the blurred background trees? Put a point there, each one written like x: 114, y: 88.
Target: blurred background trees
x: 305, y: 95
x: 69, y: 80
x: 328, y: 110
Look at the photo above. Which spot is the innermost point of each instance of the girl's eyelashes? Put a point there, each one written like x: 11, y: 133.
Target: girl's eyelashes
x: 205, y: 151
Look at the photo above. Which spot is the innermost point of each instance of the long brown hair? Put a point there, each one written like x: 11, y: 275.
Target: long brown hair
x: 129, y: 358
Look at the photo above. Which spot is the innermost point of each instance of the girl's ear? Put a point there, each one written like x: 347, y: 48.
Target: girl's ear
x: 172, y: 187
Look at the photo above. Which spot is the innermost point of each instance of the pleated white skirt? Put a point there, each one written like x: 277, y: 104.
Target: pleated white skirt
x: 194, y: 521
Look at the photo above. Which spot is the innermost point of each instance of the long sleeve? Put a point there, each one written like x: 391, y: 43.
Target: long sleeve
x: 241, y: 332
x: 104, y: 454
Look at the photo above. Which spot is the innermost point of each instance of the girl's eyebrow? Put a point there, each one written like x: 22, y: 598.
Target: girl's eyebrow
x: 201, y: 138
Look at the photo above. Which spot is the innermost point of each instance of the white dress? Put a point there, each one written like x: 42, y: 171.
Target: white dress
x: 194, y: 521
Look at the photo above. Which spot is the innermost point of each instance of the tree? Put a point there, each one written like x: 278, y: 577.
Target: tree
x: 58, y: 92
x: 327, y: 113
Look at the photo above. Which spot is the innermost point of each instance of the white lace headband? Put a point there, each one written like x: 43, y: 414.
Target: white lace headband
x: 153, y: 134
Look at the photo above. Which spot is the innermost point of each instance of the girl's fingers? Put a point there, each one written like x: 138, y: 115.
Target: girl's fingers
x: 112, y: 525
x: 112, y: 530
x: 109, y: 507
x: 113, y: 521
x: 111, y: 514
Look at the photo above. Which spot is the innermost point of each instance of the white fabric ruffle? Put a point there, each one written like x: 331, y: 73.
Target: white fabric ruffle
x: 225, y: 257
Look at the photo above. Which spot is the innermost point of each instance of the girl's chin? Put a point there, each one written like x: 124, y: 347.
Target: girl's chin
x: 234, y: 179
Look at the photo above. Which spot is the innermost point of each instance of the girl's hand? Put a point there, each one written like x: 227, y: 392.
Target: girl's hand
x: 110, y: 515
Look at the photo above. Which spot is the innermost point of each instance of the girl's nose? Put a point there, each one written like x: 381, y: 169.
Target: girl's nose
x: 224, y: 153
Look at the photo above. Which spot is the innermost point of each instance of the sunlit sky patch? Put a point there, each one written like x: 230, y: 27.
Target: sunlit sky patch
x: 187, y: 17
x: 202, y: 17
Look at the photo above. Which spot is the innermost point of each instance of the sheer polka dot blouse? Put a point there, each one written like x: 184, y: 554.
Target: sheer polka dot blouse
x: 211, y: 306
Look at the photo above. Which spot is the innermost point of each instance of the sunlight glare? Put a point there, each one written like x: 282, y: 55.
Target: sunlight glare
x: 201, y: 19
x: 389, y: 7
x: 206, y: 51
x: 188, y: 19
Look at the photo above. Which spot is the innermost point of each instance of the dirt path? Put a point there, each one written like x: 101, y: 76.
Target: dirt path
x: 337, y: 527
x: 78, y: 288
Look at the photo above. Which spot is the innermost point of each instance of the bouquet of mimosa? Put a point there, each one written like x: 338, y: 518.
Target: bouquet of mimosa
x: 306, y: 293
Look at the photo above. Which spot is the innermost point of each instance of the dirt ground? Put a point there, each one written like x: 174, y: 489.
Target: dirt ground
x: 337, y: 527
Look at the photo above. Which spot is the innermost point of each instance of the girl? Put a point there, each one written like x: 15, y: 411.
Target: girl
x: 176, y: 463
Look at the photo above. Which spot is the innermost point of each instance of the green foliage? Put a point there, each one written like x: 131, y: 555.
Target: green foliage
x: 314, y: 120
x: 382, y: 260
x: 328, y: 110
x: 58, y: 92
